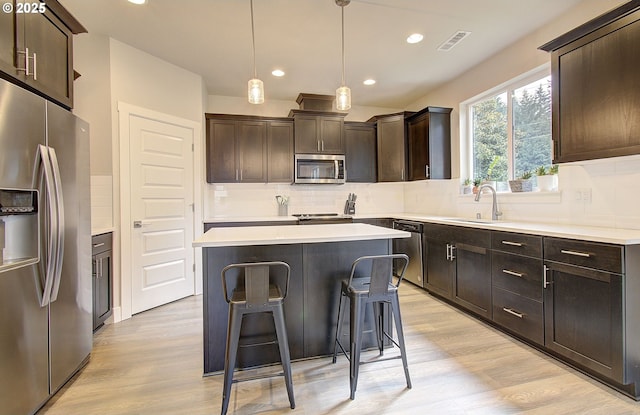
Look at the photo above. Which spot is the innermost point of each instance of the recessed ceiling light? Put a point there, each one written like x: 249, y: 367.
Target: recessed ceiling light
x: 138, y: 1
x: 369, y: 81
x: 277, y: 72
x: 415, y: 38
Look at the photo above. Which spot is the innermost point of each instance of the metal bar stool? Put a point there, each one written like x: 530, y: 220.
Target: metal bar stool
x: 377, y: 289
x: 257, y: 295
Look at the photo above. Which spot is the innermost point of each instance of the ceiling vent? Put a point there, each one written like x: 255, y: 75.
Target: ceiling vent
x: 453, y: 40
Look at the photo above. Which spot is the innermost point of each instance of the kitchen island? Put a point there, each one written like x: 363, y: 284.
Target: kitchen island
x: 320, y: 256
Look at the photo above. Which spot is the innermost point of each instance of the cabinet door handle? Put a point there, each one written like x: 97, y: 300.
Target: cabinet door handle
x: 322, y: 145
x: 514, y: 273
x: 26, y: 61
x: 545, y: 282
x: 318, y: 144
x: 402, y: 174
x: 511, y: 243
x: 426, y: 171
x: 448, y: 252
x: 99, y: 269
x: 98, y: 245
x: 512, y: 312
x: 453, y: 256
x: 576, y: 253
x: 35, y: 66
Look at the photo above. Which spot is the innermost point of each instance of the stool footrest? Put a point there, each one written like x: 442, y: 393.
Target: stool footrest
x: 256, y: 377
x: 258, y: 344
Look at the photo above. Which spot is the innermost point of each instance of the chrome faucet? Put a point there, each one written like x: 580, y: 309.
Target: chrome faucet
x: 494, y: 209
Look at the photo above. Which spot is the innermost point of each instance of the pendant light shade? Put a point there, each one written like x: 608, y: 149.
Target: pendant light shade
x: 256, y: 91
x: 255, y: 86
x: 343, y: 94
x: 343, y: 98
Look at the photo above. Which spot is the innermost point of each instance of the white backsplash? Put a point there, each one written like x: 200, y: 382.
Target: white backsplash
x: 257, y: 199
x: 601, y: 193
x: 101, y: 202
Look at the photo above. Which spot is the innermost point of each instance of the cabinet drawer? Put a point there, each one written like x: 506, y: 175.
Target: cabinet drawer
x: 101, y: 243
x: 517, y: 243
x: 518, y: 274
x: 459, y: 235
x: 584, y: 254
x: 518, y: 314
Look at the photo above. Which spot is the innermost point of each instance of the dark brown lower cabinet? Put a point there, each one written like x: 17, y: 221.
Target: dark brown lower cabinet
x: 458, y: 266
x: 102, y: 278
x: 584, y: 318
x: 516, y: 273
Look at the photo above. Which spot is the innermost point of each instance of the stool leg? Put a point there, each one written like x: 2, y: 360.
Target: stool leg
x: 233, y: 336
x: 378, y: 315
x: 395, y: 304
x: 283, y: 346
x: 357, y: 323
x: 338, y: 326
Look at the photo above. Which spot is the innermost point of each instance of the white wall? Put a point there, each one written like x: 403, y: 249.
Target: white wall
x: 610, y: 181
x: 92, y: 95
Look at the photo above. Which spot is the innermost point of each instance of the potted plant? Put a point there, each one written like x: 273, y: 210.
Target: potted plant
x: 476, y: 185
x: 466, y: 186
x: 547, y: 178
x: 522, y: 183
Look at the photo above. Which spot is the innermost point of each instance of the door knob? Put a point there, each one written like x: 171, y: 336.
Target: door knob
x: 139, y: 224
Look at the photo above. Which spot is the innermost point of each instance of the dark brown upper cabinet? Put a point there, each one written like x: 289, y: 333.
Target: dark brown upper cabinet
x: 429, y: 144
x: 414, y: 145
x: 36, y: 49
x: 280, y: 151
x: 317, y: 132
x: 244, y: 149
x: 596, y: 87
x: 392, y: 146
x: 360, y: 154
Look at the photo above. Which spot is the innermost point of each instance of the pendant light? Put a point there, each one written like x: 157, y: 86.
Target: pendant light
x: 256, y: 87
x: 343, y: 94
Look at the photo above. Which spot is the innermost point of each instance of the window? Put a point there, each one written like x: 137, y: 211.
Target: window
x: 510, y: 136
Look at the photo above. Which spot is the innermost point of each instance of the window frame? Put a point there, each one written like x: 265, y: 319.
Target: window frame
x: 466, y: 124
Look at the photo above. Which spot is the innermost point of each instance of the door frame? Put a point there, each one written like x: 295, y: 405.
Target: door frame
x: 122, y: 201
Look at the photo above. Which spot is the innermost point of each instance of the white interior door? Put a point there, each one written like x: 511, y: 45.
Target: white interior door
x: 161, y: 170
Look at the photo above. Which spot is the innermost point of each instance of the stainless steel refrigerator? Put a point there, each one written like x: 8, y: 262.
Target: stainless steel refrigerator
x: 45, y: 249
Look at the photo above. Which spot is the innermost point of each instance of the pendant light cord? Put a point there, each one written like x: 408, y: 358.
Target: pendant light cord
x: 342, y: 8
x: 253, y: 41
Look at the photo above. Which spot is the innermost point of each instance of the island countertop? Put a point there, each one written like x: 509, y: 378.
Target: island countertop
x: 294, y: 234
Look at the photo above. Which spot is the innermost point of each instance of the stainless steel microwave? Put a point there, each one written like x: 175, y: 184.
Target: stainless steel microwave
x: 319, y: 168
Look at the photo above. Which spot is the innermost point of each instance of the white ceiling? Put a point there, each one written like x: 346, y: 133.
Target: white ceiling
x: 302, y: 37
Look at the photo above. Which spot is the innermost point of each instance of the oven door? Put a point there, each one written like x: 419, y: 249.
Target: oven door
x: 319, y: 168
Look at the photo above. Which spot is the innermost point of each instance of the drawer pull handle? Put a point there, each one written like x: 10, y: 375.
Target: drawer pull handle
x: 98, y: 245
x: 576, y: 253
x: 512, y: 312
x: 512, y: 243
x: 514, y: 273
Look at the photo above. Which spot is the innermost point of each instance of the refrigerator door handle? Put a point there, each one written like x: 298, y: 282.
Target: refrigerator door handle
x: 44, y: 161
x: 59, y: 232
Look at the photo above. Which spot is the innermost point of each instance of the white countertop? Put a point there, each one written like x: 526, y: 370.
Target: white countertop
x: 99, y: 231
x: 294, y: 234
x: 580, y: 232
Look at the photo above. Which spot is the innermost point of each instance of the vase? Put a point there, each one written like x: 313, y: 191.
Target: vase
x: 548, y: 183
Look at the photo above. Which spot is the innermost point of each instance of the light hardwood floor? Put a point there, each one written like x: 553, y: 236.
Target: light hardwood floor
x: 152, y: 364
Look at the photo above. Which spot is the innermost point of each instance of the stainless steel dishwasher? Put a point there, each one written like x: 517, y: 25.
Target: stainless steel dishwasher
x: 412, y: 247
